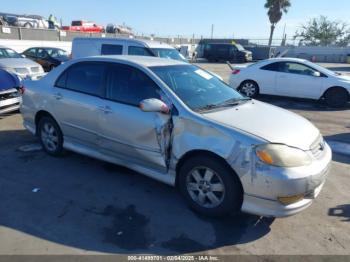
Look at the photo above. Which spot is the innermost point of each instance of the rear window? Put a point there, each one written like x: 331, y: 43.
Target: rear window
x: 111, y: 49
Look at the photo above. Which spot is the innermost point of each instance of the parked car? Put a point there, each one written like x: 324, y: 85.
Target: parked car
x: 2, y: 21
x: 27, y: 21
x: 292, y: 77
x: 84, y: 26
x: 176, y: 123
x: 235, y: 53
x: 119, y: 29
x: 83, y: 47
x: 47, y: 57
x: 13, y: 62
x: 9, y: 92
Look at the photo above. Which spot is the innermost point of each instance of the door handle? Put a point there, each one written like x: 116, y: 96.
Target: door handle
x: 58, y: 96
x: 105, y: 109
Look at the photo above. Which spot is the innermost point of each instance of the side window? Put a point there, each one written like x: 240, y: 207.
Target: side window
x: 61, y: 81
x: 296, y: 68
x: 31, y: 52
x: 111, y: 49
x: 137, y: 50
x: 84, y: 77
x: 41, y: 53
x: 129, y: 85
x: 271, y: 67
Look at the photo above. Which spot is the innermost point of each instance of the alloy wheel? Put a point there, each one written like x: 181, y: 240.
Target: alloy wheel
x: 49, y: 137
x: 205, y: 187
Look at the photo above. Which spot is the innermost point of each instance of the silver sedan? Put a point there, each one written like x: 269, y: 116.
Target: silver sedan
x: 179, y: 124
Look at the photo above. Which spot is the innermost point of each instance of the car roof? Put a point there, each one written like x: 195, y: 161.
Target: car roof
x: 149, y: 43
x: 285, y: 59
x: 146, y: 61
x: 44, y: 47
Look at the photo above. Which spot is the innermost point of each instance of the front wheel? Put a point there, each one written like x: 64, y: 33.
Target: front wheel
x: 210, y: 187
x: 51, y: 137
x: 249, y: 89
x: 336, y: 97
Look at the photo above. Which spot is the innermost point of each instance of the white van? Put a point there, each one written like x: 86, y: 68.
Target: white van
x: 83, y: 47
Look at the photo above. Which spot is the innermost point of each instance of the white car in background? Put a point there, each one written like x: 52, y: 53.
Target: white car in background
x: 17, y: 64
x: 292, y: 77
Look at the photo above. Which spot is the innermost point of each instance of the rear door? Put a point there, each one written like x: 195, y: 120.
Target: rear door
x: 77, y: 95
x: 128, y: 133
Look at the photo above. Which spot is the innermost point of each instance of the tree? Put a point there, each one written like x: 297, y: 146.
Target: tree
x: 323, y: 32
x: 276, y: 8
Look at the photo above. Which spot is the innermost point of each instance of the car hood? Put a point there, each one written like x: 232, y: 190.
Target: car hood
x: 271, y: 123
x: 17, y: 63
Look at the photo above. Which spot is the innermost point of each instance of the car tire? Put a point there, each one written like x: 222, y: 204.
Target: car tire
x: 50, y: 136
x: 336, y: 97
x: 210, y: 187
x: 249, y: 88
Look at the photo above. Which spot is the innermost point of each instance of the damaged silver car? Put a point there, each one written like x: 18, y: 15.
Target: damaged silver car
x: 181, y: 125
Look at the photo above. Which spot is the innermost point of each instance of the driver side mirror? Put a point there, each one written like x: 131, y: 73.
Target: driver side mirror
x: 316, y: 74
x: 154, y: 105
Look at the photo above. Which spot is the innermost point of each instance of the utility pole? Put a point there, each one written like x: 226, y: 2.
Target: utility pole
x: 212, y: 31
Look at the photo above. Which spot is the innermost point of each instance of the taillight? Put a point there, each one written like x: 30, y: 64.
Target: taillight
x: 21, y: 90
x: 236, y: 72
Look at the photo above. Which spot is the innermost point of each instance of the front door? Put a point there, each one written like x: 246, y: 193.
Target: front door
x: 297, y: 80
x: 128, y: 133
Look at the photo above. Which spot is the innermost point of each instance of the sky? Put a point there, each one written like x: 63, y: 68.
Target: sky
x: 170, y: 18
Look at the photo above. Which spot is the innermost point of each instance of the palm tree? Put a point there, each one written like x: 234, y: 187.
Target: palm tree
x: 276, y: 8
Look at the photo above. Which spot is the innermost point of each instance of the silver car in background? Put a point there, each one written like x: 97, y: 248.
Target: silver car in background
x: 15, y: 63
x: 176, y: 123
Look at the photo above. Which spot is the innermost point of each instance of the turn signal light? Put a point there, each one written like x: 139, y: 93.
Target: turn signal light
x: 290, y: 199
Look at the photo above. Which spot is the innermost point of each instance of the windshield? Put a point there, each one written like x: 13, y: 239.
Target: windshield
x: 57, y: 53
x: 240, y: 48
x: 9, y: 53
x: 168, y: 53
x: 198, y: 89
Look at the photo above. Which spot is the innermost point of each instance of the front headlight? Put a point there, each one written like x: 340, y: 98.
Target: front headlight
x: 282, y: 155
x: 22, y: 70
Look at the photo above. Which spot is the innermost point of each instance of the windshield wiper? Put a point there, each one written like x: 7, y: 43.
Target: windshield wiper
x: 227, y: 103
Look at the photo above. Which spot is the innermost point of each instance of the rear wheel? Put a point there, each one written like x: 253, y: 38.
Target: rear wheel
x: 249, y: 89
x: 336, y: 97
x: 50, y: 135
x: 209, y: 186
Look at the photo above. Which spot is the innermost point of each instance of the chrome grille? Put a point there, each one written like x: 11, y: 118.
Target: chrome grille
x: 318, y: 147
x: 34, y: 69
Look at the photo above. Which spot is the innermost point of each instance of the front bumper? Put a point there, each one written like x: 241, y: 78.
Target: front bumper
x: 268, y: 183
